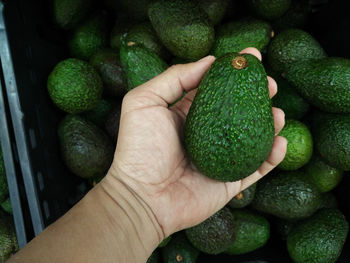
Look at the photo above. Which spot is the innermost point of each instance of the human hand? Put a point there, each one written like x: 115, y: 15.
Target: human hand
x: 151, y: 162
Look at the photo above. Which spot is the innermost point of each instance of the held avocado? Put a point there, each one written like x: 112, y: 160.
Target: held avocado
x: 86, y: 149
x: 139, y: 64
x: 183, y: 27
x: 318, y: 239
x: 214, y: 235
x: 238, y: 35
x: 287, y: 195
x: 74, y: 86
x: 229, y: 129
x: 325, y: 83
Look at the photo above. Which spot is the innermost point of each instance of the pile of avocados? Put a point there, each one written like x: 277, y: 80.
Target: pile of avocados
x: 116, y: 46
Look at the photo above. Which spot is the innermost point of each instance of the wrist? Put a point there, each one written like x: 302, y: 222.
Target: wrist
x: 130, y: 216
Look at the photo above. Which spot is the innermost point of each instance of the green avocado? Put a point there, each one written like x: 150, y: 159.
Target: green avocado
x: 68, y: 13
x: 216, y: 9
x: 139, y: 64
x: 89, y: 37
x: 318, y: 239
x: 332, y: 139
x: 164, y: 242
x: 183, y: 27
x: 269, y: 9
x: 324, y: 176
x: 155, y: 257
x: 214, y: 235
x: 229, y: 129
x: 107, y: 63
x: 179, y: 250
x: 289, y: 100
x: 120, y: 29
x: 74, y: 86
x: 144, y: 34
x: 244, y: 198
x: 238, y: 35
x: 86, y: 150
x: 325, y: 83
x: 251, y: 230
x: 98, y: 115
x: 300, y: 145
x: 4, y: 191
x: 8, y: 239
x: 292, y: 45
x: 287, y: 195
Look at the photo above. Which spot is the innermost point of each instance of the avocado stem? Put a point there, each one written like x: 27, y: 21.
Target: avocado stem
x: 239, y: 196
x: 131, y: 43
x: 179, y: 258
x: 272, y: 34
x: 239, y: 62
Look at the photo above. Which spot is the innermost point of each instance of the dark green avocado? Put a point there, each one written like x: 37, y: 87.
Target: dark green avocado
x: 269, y: 9
x: 229, y: 129
x: 244, y: 198
x: 179, y: 250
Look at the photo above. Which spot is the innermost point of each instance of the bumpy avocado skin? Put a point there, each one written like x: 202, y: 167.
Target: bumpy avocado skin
x: 183, y: 27
x: 287, y: 195
x: 229, y: 129
x: 238, y: 35
x: 318, y: 239
x: 325, y: 83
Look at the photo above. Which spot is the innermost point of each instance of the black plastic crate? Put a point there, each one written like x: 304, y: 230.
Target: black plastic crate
x: 36, y: 47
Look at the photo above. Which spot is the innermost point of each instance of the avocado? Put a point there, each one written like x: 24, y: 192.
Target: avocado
x: 284, y: 227
x: 244, y: 198
x: 4, y: 191
x: 300, y: 145
x: 328, y: 200
x: 98, y: 115
x: 287, y: 195
x: 214, y: 235
x: 144, y: 34
x: 6, y: 206
x: 121, y: 27
x: 238, y: 35
x: 68, y: 13
x: 155, y: 257
x: 86, y: 149
x: 289, y: 100
x: 107, y: 63
x: 179, y: 249
x: 295, y: 17
x: 183, y: 27
x: 74, y: 86
x: 139, y: 64
x: 332, y: 139
x: 216, y: 9
x: 164, y: 242
x: 318, y: 239
x: 269, y: 9
x: 324, y: 176
x: 112, y: 121
x: 228, y: 134
x: 8, y: 239
x: 325, y: 83
x: 292, y: 45
x: 89, y: 37
x: 251, y: 230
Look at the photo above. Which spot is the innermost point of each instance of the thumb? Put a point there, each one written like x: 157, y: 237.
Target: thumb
x: 169, y: 86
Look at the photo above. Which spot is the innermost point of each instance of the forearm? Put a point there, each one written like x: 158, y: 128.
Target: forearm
x: 105, y: 226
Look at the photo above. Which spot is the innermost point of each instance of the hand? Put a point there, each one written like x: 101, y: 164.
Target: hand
x: 150, y: 159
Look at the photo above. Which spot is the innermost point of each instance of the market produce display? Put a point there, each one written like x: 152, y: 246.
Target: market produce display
x: 116, y: 46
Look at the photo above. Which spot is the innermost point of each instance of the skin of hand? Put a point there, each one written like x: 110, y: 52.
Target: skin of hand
x: 151, y: 189
x: 150, y: 158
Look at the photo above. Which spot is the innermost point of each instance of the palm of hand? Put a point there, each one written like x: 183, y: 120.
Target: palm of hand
x: 152, y: 162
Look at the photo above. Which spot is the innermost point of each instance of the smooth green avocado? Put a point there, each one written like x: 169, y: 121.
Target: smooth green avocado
x: 183, y: 27
x: 86, y: 150
x: 318, y: 239
x: 287, y: 195
x: 252, y: 231
x: 214, y: 235
x: 229, y: 129
x: 74, y: 86
x: 238, y: 35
